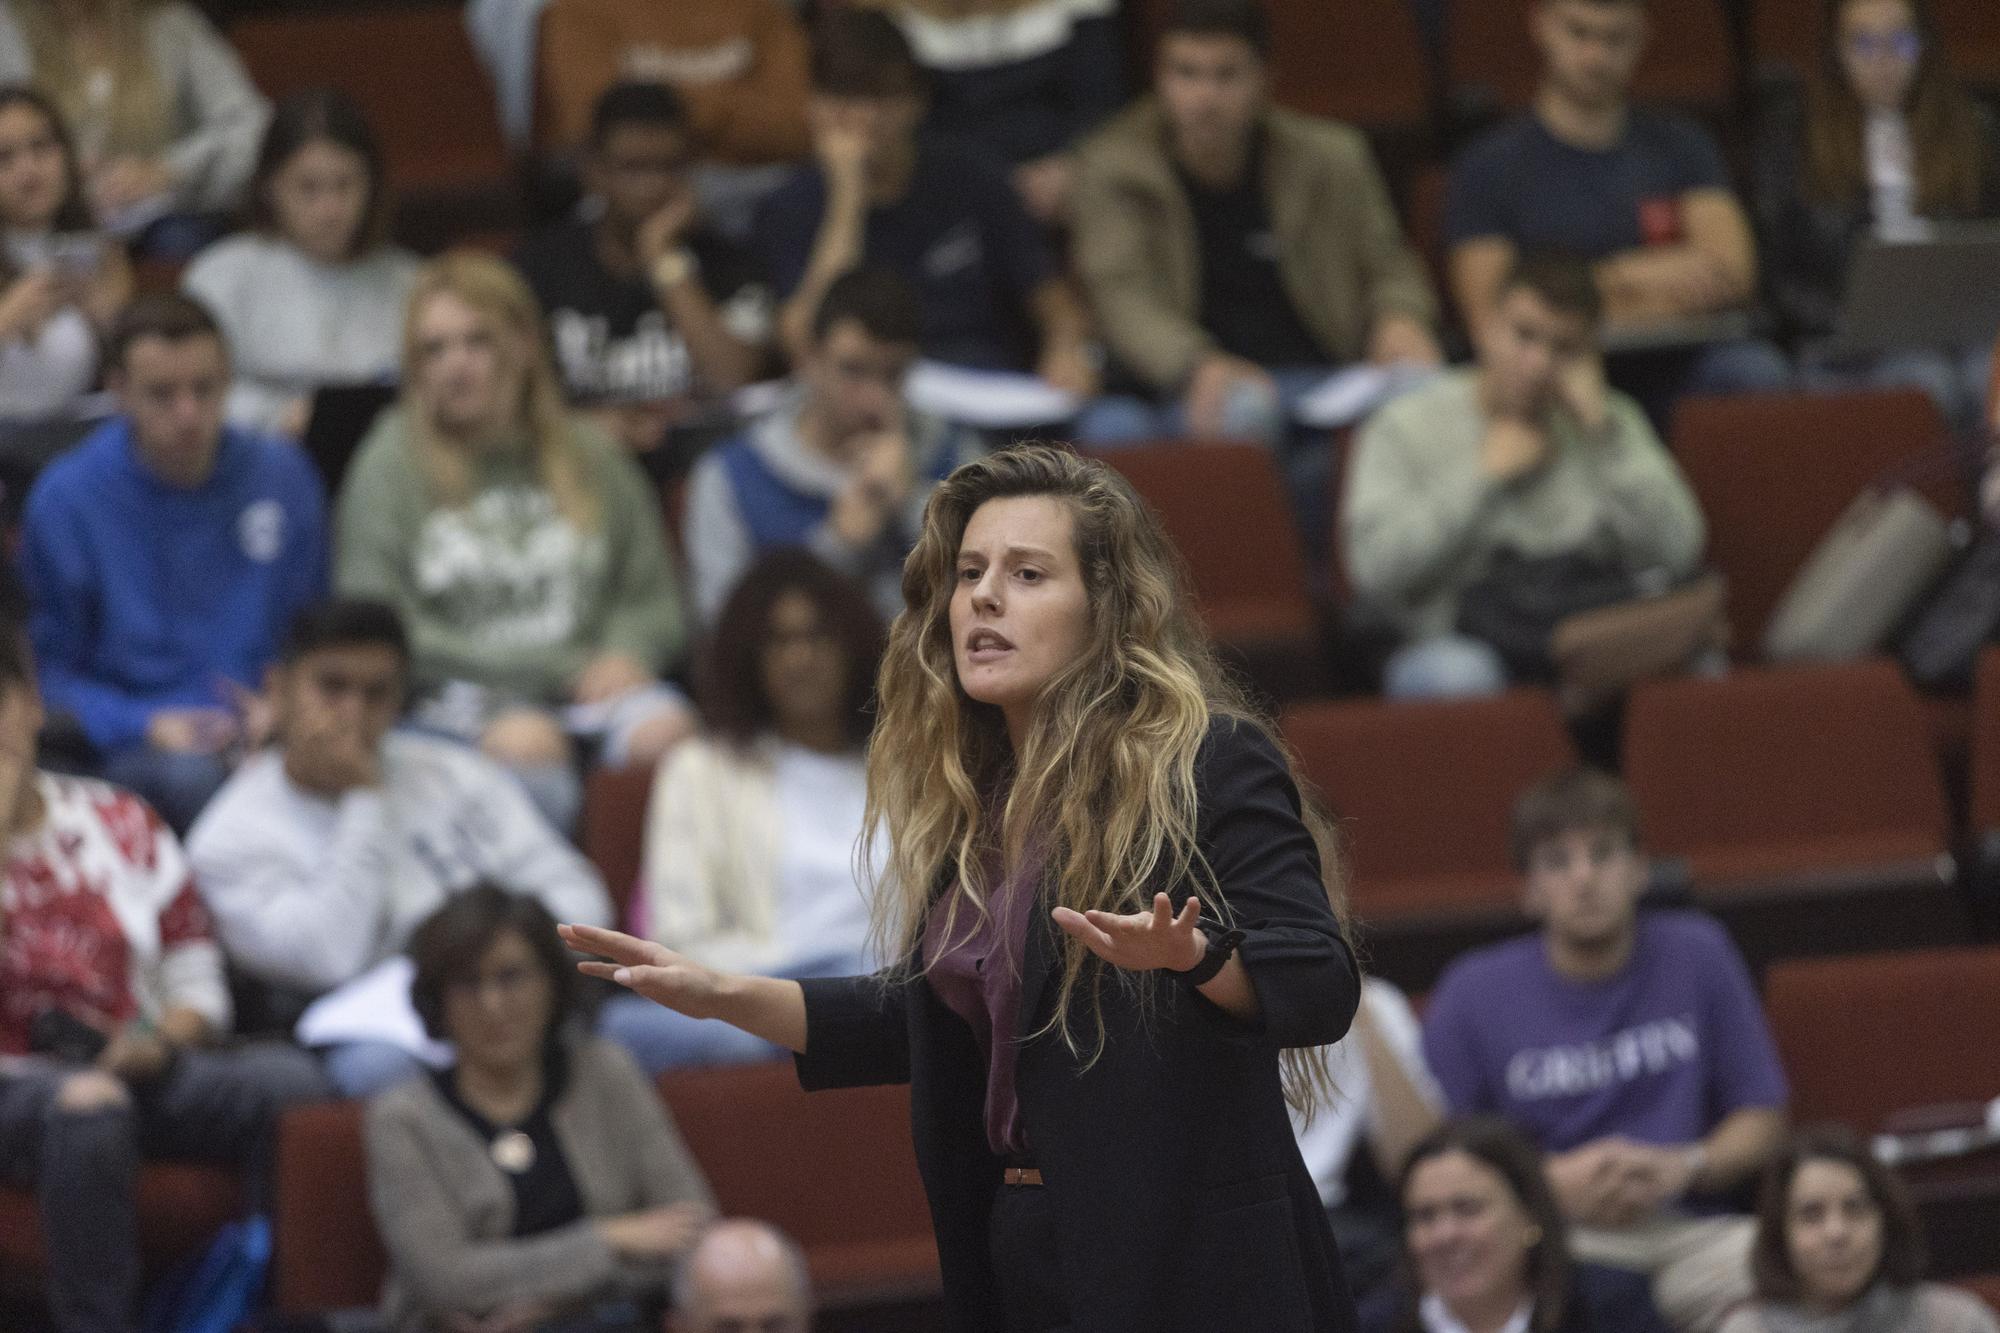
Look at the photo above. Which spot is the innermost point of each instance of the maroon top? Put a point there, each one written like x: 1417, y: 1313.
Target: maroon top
x: 979, y: 979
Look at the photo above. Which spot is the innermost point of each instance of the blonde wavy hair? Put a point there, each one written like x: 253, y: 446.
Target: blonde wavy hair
x: 138, y: 119
x: 1102, y: 794
x: 492, y: 288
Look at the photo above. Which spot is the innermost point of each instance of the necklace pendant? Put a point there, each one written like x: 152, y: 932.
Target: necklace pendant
x: 513, y: 1152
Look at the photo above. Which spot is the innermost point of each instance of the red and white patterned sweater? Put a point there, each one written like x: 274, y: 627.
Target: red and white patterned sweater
x: 99, y: 917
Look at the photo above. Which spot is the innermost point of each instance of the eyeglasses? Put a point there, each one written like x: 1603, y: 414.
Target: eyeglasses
x: 1902, y: 44
x: 508, y: 981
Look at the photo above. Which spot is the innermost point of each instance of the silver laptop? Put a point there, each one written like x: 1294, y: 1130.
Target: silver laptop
x: 1942, y: 291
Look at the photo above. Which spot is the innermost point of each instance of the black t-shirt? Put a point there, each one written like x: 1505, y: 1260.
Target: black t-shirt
x: 613, y: 341
x: 1244, y: 306
x: 545, y: 1193
x: 958, y: 235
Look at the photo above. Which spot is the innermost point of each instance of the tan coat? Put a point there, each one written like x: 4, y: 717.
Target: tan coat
x: 1342, y: 256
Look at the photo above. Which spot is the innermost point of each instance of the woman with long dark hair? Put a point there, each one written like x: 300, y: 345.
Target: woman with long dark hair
x: 1886, y: 144
x: 1112, y: 926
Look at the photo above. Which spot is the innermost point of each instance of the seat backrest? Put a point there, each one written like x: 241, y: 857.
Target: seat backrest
x: 1360, y: 61
x: 1784, y: 35
x: 1807, y: 763
x: 1971, y: 31
x: 1774, y: 471
x: 325, y: 1253
x: 1423, y: 791
x: 1224, y: 506
x: 1689, y: 59
x: 614, y: 828
x: 411, y: 69
x: 1864, y: 1037
x: 1983, y: 810
x: 829, y: 1168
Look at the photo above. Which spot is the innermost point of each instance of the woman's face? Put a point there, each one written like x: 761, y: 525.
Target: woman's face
x: 1469, y: 1237
x: 1833, y: 1233
x: 318, y: 197
x: 1019, y: 610
x: 469, y: 367
x: 804, y: 668
x: 33, y: 172
x: 498, y: 1015
x: 1879, y: 49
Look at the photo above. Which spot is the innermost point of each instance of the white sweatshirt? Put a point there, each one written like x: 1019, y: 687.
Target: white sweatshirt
x: 309, y: 892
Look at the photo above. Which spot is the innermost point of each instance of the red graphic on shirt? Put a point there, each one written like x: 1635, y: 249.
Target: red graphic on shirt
x: 134, y: 828
x: 1660, y: 220
x: 64, y: 950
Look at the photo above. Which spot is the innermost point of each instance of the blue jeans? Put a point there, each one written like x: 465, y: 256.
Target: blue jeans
x: 1448, y: 666
x: 360, y: 1069
x: 177, y: 785
x: 1954, y: 377
x: 1250, y: 412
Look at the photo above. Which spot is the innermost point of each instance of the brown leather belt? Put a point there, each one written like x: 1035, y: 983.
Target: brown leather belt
x: 1021, y: 1175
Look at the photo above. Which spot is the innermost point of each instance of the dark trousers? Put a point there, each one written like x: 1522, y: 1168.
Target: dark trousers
x: 218, y: 1106
x: 1027, y: 1265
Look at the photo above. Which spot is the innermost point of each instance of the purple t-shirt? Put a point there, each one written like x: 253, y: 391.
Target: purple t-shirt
x: 1662, y: 1052
x: 977, y: 973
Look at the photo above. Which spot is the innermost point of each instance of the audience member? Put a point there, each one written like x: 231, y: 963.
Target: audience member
x: 522, y: 548
x: 1642, y: 194
x: 314, y: 294
x: 1233, y: 252
x: 538, y: 1181
x: 738, y: 65
x: 744, y: 1277
x: 1631, y: 1047
x: 1886, y: 144
x: 1386, y: 1097
x: 1022, y: 79
x: 111, y: 997
x: 165, y: 119
x: 945, y: 218
x: 841, y: 466
x: 1839, y: 1250
x: 1527, y: 453
x: 1487, y: 1249
x: 648, y: 307
x: 320, y: 855
x: 164, y: 556
x: 750, y: 861
x: 61, y: 282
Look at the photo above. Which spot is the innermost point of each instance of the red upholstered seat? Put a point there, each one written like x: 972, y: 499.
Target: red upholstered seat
x: 1689, y: 59
x: 1224, y: 506
x: 1423, y: 793
x: 181, y: 1204
x: 1801, y: 779
x: 614, y: 828
x: 1867, y: 1036
x: 1774, y: 471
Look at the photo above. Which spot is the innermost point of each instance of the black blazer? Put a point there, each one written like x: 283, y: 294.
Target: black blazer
x: 1180, y: 1198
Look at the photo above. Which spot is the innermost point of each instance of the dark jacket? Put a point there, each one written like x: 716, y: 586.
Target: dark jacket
x: 1601, y: 1300
x: 1806, y: 244
x: 1180, y: 1198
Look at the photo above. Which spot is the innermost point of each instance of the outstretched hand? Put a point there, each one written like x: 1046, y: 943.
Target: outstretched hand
x: 648, y: 969
x: 1141, y: 941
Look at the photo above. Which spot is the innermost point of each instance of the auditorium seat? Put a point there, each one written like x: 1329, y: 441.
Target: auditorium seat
x: 1360, y: 61
x: 1423, y: 792
x: 1868, y: 1040
x: 1784, y: 36
x: 181, y: 1206
x: 614, y: 828
x: 413, y: 71
x: 835, y: 1170
x: 1491, y: 60
x: 1806, y: 802
x: 1224, y: 506
x: 1971, y: 31
x: 1983, y: 801
x: 1774, y: 471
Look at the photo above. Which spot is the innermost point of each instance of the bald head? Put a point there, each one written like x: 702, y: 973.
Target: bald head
x: 744, y: 1277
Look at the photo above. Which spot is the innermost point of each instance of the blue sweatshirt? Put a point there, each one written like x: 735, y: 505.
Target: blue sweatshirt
x: 147, y: 596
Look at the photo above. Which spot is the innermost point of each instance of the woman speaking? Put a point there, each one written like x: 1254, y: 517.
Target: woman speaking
x: 1114, y: 928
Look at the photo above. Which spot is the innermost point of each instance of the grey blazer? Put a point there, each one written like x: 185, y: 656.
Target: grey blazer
x: 445, y: 1212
